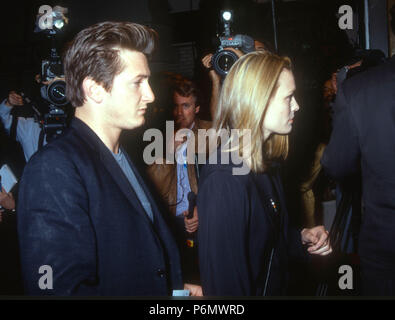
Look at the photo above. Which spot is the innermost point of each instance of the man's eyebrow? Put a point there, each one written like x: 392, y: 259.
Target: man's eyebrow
x: 141, y: 76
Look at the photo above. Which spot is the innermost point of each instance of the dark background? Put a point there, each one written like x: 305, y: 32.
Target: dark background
x: 307, y: 31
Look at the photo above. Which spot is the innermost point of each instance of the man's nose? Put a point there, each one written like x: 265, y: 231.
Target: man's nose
x: 148, y: 95
x: 179, y: 110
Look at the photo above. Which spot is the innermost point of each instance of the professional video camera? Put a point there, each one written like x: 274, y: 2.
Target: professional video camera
x: 223, y: 59
x: 53, y: 86
x: 54, y: 89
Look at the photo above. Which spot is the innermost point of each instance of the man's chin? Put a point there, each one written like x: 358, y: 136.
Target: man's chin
x: 142, y: 121
x: 136, y: 124
x: 182, y: 125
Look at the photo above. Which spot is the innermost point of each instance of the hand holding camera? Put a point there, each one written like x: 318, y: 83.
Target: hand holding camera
x: 14, y: 99
x: 231, y: 47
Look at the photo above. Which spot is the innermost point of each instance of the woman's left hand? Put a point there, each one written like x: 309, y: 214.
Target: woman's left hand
x: 317, y: 239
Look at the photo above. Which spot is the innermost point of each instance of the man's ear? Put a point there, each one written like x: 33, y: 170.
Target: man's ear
x: 93, y: 91
x: 197, y: 109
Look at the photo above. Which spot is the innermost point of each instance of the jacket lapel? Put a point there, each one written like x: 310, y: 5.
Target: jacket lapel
x: 109, y: 162
x: 155, y: 210
x: 122, y: 181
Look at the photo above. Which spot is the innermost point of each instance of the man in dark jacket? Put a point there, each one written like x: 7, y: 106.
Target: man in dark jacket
x: 363, y: 139
x: 87, y: 223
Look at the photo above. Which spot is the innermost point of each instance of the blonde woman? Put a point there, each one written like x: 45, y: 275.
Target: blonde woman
x: 244, y: 236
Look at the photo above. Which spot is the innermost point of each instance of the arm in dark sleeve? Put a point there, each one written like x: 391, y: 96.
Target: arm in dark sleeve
x: 342, y: 155
x: 297, y: 252
x: 223, y: 216
x: 54, y: 227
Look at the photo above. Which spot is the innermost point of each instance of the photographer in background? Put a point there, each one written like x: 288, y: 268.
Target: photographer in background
x: 27, y: 129
x: 216, y: 78
x: 10, y: 155
x: 10, y: 277
x: 44, y: 120
x: 38, y: 120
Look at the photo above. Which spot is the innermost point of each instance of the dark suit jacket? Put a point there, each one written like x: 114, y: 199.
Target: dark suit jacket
x: 364, y: 138
x: 238, y: 228
x: 79, y: 214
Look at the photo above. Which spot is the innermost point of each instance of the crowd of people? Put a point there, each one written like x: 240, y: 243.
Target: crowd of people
x: 103, y: 227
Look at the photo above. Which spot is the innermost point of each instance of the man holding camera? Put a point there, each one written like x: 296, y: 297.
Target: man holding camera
x: 215, y: 77
x: 27, y: 129
x: 84, y: 211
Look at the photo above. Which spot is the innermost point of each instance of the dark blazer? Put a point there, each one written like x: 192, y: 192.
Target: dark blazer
x: 363, y: 138
x: 238, y: 228
x: 79, y: 215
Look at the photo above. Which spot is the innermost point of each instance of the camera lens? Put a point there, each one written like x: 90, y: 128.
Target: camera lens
x: 57, y: 93
x: 223, y: 60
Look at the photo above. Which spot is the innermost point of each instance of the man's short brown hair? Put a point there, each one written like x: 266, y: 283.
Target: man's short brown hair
x: 94, y: 53
x: 187, y: 88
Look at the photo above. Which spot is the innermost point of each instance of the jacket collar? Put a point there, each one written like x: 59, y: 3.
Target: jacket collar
x: 97, y: 146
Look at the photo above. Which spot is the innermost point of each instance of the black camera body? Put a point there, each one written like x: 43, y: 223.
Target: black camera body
x: 54, y: 123
x: 54, y: 89
x: 223, y: 59
x: 53, y: 120
x: 238, y: 41
x: 52, y: 68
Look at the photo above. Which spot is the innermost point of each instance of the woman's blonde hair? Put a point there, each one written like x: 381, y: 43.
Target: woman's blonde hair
x: 245, y: 97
